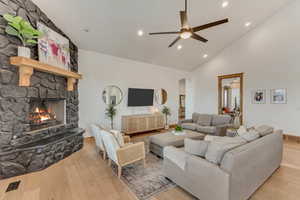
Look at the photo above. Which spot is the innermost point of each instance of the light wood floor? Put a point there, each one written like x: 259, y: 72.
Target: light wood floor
x: 85, y: 176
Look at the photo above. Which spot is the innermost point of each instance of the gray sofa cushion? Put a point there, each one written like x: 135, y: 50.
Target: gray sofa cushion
x: 264, y: 130
x: 196, y: 147
x: 204, y: 120
x: 189, y: 126
x: 219, y: 146
x: 220, y: 120
x: 176, y: 155
x: 206, y: 129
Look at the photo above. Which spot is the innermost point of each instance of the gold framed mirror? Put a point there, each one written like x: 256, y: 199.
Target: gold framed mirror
x: 230, y: 95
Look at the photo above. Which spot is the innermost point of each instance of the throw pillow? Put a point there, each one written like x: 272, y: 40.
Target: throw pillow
x: 218, y: 147
x: 250, y: 135
x: 241, y: 130
x: 119, y: 137
x: 264, y: 130
x: 196, y: 147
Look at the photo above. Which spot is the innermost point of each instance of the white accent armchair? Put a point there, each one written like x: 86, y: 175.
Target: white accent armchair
x: 125, y: 155
x: 97, y: 133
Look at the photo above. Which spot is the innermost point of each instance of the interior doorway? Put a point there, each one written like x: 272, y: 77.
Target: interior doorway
x: 182, y: 97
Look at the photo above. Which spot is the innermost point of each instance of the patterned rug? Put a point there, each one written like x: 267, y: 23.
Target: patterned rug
x: 145, y: 182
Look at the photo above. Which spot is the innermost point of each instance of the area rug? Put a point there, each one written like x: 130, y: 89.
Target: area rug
x: 145, y: 182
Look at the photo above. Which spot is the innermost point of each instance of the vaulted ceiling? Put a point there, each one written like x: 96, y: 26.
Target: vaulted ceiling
x: 110, y: 26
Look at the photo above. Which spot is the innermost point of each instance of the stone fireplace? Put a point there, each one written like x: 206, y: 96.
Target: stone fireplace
x: 39, y: 123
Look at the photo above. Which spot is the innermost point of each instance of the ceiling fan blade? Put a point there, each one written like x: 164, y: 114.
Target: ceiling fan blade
x: 199, y: 28
x: 198, y: 37
x: 174, y: 42
x: 161, y: 33
x: 183, y: 19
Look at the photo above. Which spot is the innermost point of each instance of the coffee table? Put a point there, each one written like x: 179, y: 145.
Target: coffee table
x: 158, y: 142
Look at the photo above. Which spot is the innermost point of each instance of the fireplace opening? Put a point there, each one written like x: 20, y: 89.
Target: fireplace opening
x: 46, y: 113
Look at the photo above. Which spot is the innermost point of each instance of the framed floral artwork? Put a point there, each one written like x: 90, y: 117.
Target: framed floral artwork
x: 53, y: 48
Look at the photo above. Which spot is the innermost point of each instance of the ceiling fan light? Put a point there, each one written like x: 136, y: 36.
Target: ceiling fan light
x: 185, y: 34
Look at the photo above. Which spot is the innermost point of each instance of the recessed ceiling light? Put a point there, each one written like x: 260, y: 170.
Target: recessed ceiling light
x: 179, y: 47
x: 205, y: 56
x: 225, y: 4
x: 140, y: 32
x: 247, y: 24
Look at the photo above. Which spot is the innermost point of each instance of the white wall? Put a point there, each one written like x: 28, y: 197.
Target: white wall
x: 101, y: 70
x: 182, y: 87
x: 270, y: 58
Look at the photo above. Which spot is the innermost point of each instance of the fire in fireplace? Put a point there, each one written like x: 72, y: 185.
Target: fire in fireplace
x: 46, y: 113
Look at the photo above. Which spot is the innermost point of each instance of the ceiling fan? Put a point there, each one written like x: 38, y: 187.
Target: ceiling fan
x: 190, y: 32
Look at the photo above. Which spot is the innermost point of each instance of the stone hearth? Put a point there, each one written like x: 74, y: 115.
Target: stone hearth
x: 23, y: 151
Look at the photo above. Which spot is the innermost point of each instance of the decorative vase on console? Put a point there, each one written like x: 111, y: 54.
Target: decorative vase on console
x: 22, y: 29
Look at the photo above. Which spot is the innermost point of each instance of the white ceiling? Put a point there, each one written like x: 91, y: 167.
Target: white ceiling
x: 113, y: 26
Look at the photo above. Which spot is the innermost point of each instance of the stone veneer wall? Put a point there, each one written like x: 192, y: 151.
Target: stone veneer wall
x: 14, y: 100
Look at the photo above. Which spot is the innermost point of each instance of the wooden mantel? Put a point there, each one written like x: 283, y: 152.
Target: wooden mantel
x: 27, y: 65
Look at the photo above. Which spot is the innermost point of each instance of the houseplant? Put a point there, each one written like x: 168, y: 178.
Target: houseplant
x: 22, y: 29
x: 167, y: 112
x: 111, y: 112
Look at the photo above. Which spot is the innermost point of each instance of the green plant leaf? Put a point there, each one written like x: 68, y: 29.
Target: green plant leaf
x: 15, y: 25
x: 26, y: 25
x: 18, y: 19
x: 11, y: 31
x: 8, y: 17
x: 31, y: 42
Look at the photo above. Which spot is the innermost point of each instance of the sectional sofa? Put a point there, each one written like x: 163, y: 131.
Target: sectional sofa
x: 241, y: 171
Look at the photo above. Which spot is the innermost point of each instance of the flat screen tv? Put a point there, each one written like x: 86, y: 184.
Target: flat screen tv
x: 140, y: 97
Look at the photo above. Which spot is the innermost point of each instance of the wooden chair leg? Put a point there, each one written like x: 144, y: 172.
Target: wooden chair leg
x: 104, y: 155
x: 119, y: 171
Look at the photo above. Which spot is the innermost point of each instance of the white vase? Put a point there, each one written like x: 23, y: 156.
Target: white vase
x: 24, y: 52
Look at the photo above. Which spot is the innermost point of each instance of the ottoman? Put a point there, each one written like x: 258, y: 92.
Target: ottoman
x: 158, y: 142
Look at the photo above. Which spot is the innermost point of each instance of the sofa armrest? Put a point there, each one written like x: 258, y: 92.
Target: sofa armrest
x: 185, y: 121
x: 221, y: 130
x: 131, y: 153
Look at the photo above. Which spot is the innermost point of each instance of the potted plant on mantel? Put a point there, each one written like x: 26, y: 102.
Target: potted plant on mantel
x: 167, y: 112
x: 23, y: 30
